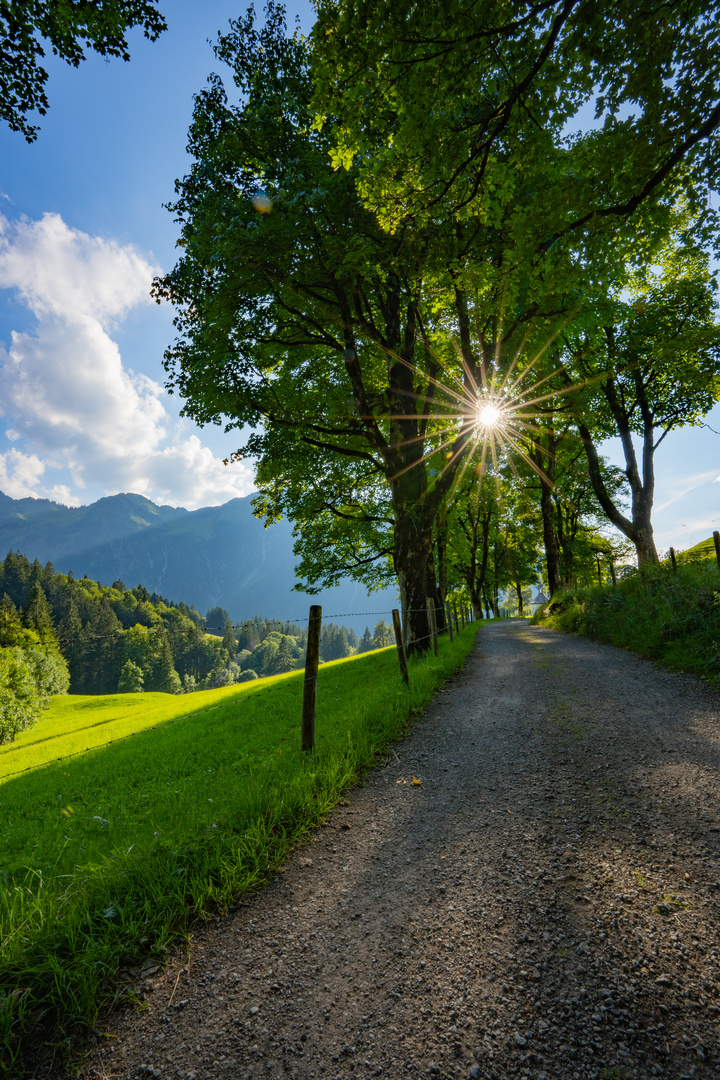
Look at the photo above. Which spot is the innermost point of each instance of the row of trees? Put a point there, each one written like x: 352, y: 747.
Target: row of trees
x: 430, y: 296
x: 266, y: 647
x: 110, y: 638
x: 101, y: 629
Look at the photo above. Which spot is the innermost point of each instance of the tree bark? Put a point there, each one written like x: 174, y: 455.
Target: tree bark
x: 546, y: 475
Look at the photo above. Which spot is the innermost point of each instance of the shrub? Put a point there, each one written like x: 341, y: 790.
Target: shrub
x: 672, y: 618
x: 29, y: 677
x: 248, y: 675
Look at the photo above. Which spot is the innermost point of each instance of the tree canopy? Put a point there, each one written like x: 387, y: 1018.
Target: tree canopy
x: 393, y: 231
x: 68, y: 28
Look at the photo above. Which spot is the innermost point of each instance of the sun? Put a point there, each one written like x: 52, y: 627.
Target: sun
x: 489, y: 416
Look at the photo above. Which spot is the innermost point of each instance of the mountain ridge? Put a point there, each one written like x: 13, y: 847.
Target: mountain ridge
x: 213, y: 556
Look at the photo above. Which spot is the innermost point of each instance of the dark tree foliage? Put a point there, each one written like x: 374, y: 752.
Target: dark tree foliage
x: 67, y: 27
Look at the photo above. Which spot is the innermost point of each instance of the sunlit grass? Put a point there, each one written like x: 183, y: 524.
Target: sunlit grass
x: 108, y: 855
x: 76, y: 722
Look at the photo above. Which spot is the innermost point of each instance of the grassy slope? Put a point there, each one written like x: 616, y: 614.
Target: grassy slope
x: 109, y: 854
x: 80, y: 722
x: 672, y: 618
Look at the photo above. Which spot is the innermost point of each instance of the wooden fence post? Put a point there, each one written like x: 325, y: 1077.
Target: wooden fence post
x: 673, y: 560
x: 400, y: 647
x: 457, y: 623
x: 430, y: 604
x: 449, y: 621
x: 312, y: 659
x: 716, y: 538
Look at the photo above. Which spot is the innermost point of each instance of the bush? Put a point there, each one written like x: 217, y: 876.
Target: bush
x: 672, y: 618
x: 29, y: 677
x: 248, y: 675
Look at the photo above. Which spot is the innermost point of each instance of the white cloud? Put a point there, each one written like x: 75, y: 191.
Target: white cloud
x: 679, y: 487
x: 20, y: 473
x: 62, y: 271
x: 61, y: 493
x: 65, y: 391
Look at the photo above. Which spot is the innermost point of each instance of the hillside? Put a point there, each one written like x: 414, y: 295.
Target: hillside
x: 216, y: 556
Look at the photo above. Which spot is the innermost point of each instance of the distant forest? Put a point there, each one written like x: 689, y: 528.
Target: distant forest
x: 123, y: 639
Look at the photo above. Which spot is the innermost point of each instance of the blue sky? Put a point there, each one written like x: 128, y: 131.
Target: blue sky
x: 83, y: 412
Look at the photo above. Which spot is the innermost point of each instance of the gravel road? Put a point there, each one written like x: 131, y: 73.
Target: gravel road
x: 543, y: 905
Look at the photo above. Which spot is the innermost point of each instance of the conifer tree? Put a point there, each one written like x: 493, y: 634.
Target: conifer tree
x: 37, y: 615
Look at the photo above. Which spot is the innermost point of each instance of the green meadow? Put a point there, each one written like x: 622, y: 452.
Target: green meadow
x: 128, y: 817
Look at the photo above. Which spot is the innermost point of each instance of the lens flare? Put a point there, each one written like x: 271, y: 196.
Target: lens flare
x: 489, y: 415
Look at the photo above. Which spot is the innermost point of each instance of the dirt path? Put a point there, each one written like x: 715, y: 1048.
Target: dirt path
x: 545, y: 904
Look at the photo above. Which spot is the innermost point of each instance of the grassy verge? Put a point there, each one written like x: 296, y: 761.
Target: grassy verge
x: 672, y: 618
x: 109, y: 855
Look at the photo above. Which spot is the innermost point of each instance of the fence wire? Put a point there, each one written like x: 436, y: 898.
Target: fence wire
x: 186, y: 716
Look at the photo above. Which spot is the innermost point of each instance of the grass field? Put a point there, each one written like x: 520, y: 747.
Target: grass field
x: 79, y: 722
x: 109, y: 854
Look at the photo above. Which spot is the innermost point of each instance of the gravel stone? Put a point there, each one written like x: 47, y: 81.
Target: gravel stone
x: 544, y: 904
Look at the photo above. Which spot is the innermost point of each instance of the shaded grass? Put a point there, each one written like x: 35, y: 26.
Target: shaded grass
x: 671, y: 618
x: 110, y: 855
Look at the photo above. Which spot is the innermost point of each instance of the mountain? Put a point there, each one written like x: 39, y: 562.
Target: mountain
x: 216, y: 556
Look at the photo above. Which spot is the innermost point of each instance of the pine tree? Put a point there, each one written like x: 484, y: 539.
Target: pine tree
x: 71, y: 644
x: 366, y: 641
x: 165, y: 678
x: 285, y: 659
x: 37, y: 615
x: 102, y: 637
x: 230, y: 641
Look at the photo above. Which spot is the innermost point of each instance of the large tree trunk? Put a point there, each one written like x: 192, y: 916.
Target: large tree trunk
x: 639, y: 529
x: 544, y: 461
x: 412, y: 556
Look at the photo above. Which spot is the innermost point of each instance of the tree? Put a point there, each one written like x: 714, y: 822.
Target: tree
x: 229, y: 640
x: 37, y: 615
x: 366, y: 641
x: 558, y: 481
x: 652, y: 365
x: 163, y: 677
x: 66, y: 26
x: 131, y: 679
x: 31, y: 673
x: 357, y: 354
x: 285, y: 658
x: 444, y: 104
x: 217, y: 620
x: 441, y: 109
x: 382, y: 635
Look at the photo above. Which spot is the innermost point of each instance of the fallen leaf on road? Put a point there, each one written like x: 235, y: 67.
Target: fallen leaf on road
x: 416, y: 781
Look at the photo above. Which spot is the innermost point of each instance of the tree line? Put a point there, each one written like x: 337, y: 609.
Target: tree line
x: 109, y: 638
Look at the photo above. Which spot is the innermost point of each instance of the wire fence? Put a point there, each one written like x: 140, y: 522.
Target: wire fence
x: 85, y: 635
